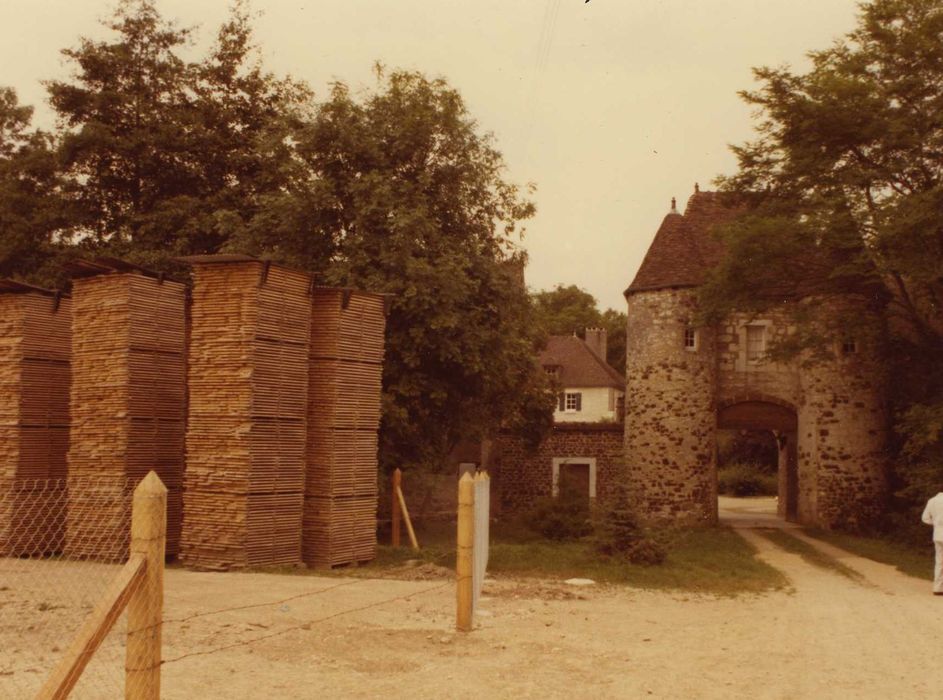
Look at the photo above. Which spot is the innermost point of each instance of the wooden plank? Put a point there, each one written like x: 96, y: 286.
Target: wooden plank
x: 64, y: 677
x: 409, y: 522
x: 396, y: 515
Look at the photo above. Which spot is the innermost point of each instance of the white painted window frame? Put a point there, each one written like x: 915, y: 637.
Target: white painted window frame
x: 577, y: 401
x: 744, y: 365
x: 557, y: 461
x: 696, y: 337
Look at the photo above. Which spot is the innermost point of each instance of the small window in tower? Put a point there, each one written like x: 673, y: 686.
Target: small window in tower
x: 756, y: 343
x: 849, y: 346
x: 574, y: 402
x: 690, y: 338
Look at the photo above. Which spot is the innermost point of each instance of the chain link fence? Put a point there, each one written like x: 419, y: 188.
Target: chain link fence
x: 63, y: 544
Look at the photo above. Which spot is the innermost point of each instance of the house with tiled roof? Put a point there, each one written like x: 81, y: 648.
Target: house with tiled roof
x: 590, y: 390
x: 583, y: 450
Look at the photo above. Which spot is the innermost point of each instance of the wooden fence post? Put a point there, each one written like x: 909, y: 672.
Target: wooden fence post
x: 145, y: 609
x: 409, y: 523
x: 463, y: 561
x: 396, y: 484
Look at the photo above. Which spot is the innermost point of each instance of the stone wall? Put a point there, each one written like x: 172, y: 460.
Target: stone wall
x: 736, y: 377
x: 522, y: 475
x: 670, y: 439
x: 673, y: 394
x: 842, y: 435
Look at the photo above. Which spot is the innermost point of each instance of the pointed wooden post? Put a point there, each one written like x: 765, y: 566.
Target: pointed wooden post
x: 463, y: 560
x: 396, y: 483
x: 145, y: 609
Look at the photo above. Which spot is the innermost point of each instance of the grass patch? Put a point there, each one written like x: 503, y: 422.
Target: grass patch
x: 917, y: 563
x: 810, y: 554
x: 708, y: 560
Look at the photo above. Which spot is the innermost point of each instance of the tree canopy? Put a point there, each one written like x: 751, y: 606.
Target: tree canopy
x: 165, y: 156
x: 31, y: 210
x: 394, y: 190
x: 844, y: 190
x: 406, y: 196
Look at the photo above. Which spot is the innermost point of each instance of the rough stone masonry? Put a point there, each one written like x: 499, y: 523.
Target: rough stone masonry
x: 684, y: 381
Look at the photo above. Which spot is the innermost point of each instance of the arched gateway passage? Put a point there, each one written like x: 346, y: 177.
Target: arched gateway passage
x: 780, y: 419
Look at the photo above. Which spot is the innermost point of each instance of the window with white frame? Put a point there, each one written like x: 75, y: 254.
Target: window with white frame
x: 756, y: 343
x: 690, y: 338
x: 573, y: 402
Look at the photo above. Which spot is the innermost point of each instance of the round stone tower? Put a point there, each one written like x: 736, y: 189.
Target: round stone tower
x: 670, y: 378
x: 842, y: 433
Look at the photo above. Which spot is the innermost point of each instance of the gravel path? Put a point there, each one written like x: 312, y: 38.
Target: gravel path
x: 826, y: 637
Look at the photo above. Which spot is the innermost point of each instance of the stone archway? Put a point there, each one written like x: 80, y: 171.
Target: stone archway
x: 766, y: 413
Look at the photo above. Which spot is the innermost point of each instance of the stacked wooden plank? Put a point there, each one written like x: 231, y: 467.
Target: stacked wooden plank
x: 248, y: 376
x: 346, y: 367
x: 127, y: 401
x: 34, y: 417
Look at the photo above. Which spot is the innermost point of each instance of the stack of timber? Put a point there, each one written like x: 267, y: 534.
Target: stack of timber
x: 347, y: 344
x: 34, y: 417
x: 128, y: 399
x: 248, y: 380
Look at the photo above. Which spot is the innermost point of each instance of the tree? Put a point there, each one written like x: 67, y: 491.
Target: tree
x: 167, y: 157
x: 406, y: 196
x: 844, y: 191
x: 565, y: 310
x: 31, y: 211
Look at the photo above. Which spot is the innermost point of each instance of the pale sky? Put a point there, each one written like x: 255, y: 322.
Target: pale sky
x: 610, y: 107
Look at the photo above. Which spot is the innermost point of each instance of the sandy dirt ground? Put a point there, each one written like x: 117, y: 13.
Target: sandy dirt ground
x: 825, y: 637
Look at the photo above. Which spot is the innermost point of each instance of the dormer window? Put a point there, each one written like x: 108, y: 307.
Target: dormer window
x: 690, y: 339
x: 849, y: 346
x: 552, y: 370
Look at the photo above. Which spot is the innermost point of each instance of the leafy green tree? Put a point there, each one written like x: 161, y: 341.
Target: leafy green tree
x: 564, y: 310
x: 165, y: 156
x: 31, y: 210
x: 844, y: 191
x: 406, y: 196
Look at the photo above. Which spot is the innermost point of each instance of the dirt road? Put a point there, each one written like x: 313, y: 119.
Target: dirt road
x: 828, y: 637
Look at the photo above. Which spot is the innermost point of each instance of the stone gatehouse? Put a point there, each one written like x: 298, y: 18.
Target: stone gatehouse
x: 684, y: 382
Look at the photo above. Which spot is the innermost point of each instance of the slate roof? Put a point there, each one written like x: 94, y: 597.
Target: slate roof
x: 684, y: 250
x: 578, y: 365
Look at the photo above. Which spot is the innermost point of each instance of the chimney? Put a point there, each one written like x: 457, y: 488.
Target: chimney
x: 596, y: 340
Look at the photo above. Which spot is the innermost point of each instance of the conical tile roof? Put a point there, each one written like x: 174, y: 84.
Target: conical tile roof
x: 684, y: 250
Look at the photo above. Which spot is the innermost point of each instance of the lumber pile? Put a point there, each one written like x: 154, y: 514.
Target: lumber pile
x: 128, y: 400
x: 248, y: 378
x: 34, y: 417
x: 346, y: 367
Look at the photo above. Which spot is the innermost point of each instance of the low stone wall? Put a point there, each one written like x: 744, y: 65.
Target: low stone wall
x: 523, y: 475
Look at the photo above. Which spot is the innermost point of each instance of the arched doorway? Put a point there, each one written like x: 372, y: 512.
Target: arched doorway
x: 779, y: 420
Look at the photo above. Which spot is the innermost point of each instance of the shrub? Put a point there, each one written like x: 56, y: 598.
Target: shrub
x: 646, y: 552
x: 619, y: 533
x: 565, y: 517
x: 757, y: 447
x: 742, y: 479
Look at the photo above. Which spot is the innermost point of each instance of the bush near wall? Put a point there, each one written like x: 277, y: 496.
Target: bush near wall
x: 745, y: 479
